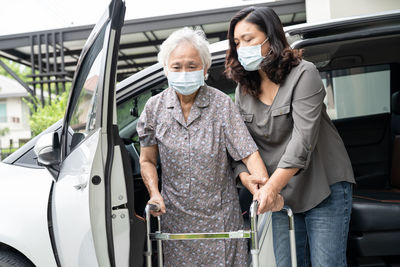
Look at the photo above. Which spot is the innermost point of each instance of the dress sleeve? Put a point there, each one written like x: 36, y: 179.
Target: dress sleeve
x: 239, y: 142
x: 238, y: 166
x: 307, y: 107
x: 145, y: 126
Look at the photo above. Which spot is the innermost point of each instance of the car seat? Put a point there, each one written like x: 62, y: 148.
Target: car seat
x: 375, y: 220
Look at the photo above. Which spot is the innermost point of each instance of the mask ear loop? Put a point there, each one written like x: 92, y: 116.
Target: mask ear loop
x: 270, y: 47
x: 264, y: 41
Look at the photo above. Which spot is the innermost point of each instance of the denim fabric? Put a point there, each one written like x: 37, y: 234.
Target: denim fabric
x: 321, y: 233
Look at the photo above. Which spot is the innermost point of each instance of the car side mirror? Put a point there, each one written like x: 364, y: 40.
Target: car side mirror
x: 47, y: 150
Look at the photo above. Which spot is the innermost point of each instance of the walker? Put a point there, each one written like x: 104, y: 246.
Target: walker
x: 251, y: 234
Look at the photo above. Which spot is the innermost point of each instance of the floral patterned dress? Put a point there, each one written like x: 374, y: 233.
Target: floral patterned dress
x: 198, y: 187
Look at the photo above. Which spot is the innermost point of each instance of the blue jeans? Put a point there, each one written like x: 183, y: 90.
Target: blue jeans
x: 321, y: 233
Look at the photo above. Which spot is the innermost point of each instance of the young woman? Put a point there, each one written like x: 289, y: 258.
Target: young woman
x: 280, y: 97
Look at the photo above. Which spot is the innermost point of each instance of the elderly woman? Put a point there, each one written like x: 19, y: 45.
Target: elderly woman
x: 195, y: 129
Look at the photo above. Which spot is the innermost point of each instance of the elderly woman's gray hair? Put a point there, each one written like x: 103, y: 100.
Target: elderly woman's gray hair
x: 194, y: 37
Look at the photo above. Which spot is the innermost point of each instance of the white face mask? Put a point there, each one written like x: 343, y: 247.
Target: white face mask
x: 186, y: 83
x: 250, y: 56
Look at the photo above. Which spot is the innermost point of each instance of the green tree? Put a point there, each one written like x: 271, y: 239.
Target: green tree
x: 45, y: 116
x: 4, y: 131
x: 21, y: 70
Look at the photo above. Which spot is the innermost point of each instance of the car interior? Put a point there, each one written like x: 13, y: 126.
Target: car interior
x: 362, y: 81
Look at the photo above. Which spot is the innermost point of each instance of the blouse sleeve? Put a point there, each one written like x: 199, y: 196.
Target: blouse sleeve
x: 145, y: 126
x: 239, y: 142
x: 238, y: 166
x: 307, y: 107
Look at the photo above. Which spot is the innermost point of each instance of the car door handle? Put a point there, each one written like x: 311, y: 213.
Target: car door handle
x: 80, y: 186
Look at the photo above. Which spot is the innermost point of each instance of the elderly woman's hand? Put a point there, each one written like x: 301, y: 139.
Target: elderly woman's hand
x: 268, y: 199
x: 157, y: 199
x: 252, y: 182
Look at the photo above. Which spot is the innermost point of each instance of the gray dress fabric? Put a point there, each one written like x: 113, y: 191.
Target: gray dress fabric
x: 295, y: 131
x: 198, y: 186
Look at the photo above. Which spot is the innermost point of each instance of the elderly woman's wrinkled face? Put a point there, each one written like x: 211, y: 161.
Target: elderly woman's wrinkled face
x: 185, y: 70
x: 185, y: 58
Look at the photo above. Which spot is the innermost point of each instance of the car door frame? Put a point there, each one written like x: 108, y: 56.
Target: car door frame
x: 113, y: 20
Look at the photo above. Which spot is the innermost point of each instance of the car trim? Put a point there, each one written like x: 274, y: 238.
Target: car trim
x: 51, y: 228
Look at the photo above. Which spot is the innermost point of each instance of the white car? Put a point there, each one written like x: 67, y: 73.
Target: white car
x: 73, y: 195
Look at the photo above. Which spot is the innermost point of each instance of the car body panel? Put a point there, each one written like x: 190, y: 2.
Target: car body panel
x: 71, y: 211
x: 23, y: 223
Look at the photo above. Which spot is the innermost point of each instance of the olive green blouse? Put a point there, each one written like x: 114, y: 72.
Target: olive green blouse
x: 295, y: 131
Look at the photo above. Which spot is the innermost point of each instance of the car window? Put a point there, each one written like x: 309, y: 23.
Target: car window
x: 3, y: 111
x: 82, y: 118
x: 360, y: 91
x: 128, y: 112
x: 217, y: 79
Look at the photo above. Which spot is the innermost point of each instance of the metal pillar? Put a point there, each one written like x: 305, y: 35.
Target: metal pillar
x: 43, y: 71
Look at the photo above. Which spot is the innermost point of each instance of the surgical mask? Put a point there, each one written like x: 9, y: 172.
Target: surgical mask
x: 186, y: 83
x: 250, y: 56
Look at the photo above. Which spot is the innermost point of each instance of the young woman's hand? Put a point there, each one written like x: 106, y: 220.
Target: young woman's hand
x: 268, y: 199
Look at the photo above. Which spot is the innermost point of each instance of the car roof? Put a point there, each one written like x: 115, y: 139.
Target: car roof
x: 344, y: 25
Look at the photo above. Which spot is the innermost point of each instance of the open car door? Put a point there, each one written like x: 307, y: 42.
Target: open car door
x: 91, y: 211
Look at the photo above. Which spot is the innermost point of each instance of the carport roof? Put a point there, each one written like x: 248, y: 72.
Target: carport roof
x: 139, y: 44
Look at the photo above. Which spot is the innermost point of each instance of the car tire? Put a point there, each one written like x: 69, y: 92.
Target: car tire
x: 12, y: 259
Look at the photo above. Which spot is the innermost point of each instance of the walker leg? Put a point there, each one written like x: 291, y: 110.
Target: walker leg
x: 148, y: 253
x: 292, y: 236
x: 254, y: 235
x: 159, y: 245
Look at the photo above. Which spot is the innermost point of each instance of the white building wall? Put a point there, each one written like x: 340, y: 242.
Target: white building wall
x: 17, y: 122
x: 322, y: 10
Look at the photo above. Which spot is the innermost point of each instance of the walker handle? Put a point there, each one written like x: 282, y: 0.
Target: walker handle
x: 153, y: 207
